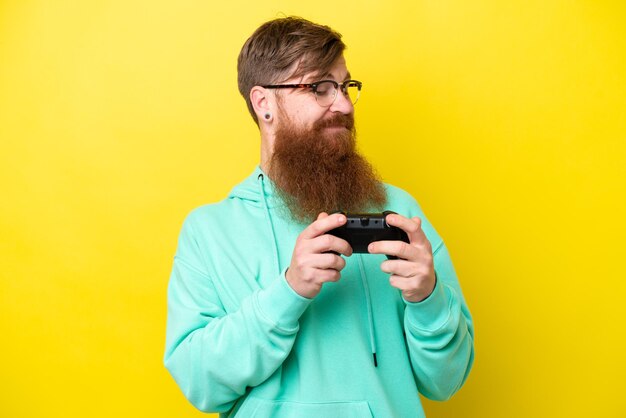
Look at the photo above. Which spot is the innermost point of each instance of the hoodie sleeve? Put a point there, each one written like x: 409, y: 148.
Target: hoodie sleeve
x: 440, y: 334
x: 214, y: 356
x: 439, y: 329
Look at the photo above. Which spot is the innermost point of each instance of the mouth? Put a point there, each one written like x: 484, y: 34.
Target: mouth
x: 336, y: 127
x: 337, y: 123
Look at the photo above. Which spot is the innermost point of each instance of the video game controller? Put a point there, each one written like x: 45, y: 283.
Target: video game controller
x: 361, y: 229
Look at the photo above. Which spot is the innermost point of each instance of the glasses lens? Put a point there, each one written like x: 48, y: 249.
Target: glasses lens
x: 325, y: 93
x: 353, y: 90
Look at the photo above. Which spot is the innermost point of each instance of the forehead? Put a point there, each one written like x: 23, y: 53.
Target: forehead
x: 338, y: 71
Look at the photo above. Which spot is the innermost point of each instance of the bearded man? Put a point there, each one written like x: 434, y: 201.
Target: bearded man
x: 269, y: 315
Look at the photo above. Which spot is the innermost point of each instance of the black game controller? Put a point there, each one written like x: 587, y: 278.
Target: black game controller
x: 361, y: 229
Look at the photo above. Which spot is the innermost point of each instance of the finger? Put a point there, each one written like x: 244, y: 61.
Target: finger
x: 401, y: 268
x: 406, y: 283
x: 412, y: 289
x: 398, y: 248
x: 327, y: 242
x: 412, y: 227
x: 322, y: 215
x: 323, y: 262
x: 399, y: 282
x: 326, y: 261
x: 327, y: 275
x: 332, y: 261
x: 323, y: 225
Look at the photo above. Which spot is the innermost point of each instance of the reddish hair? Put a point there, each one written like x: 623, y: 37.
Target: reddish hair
x: 284, y: 48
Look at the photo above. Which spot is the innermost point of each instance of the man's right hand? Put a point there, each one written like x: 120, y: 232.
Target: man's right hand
x: 312, y: 264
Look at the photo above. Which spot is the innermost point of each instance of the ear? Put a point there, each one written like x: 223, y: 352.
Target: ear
x: 261, y: 102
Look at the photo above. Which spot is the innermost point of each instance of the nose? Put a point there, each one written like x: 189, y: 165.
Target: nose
x: 342, y: 104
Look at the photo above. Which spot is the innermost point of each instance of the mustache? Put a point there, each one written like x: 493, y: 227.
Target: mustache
x: 338, y: 120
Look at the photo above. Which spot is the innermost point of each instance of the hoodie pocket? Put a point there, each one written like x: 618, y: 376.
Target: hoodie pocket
x: 262, y: 408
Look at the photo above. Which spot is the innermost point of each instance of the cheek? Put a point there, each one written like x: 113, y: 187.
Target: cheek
x: 292, y: 116
x: 307, y: 113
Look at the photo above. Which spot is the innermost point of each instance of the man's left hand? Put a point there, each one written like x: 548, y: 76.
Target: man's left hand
x: 413, y: 272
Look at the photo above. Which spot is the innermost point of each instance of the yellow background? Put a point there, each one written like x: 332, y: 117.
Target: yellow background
x: 506, y: 120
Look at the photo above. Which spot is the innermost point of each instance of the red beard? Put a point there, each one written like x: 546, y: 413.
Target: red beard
x: 319, y: 170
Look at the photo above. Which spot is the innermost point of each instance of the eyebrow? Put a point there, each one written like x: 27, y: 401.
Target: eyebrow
x: 328, y: 76
x: 347, y: 77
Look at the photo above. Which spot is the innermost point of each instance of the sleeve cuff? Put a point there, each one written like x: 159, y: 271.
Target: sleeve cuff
x: 280, y: 304
x: 431, y: 313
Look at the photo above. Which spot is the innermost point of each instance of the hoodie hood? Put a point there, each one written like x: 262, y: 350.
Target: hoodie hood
x: 249, y: 190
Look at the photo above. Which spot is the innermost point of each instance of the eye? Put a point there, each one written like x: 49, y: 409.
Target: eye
x: 325, y: 88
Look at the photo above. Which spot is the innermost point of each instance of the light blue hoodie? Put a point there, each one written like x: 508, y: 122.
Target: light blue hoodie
x: 241, y: 342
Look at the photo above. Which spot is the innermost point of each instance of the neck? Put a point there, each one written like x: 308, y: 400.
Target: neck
x: 267, y: 142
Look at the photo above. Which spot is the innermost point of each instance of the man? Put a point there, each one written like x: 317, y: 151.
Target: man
x: 271, y: 316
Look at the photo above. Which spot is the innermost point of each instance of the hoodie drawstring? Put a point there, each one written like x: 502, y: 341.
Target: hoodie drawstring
x: 269, y: 220
x: 368, y: 302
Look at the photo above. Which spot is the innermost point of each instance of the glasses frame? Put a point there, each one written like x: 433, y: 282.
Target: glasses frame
x: 313, y: 86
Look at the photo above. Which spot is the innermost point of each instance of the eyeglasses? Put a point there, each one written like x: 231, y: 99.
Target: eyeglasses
x: 326, y: 90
